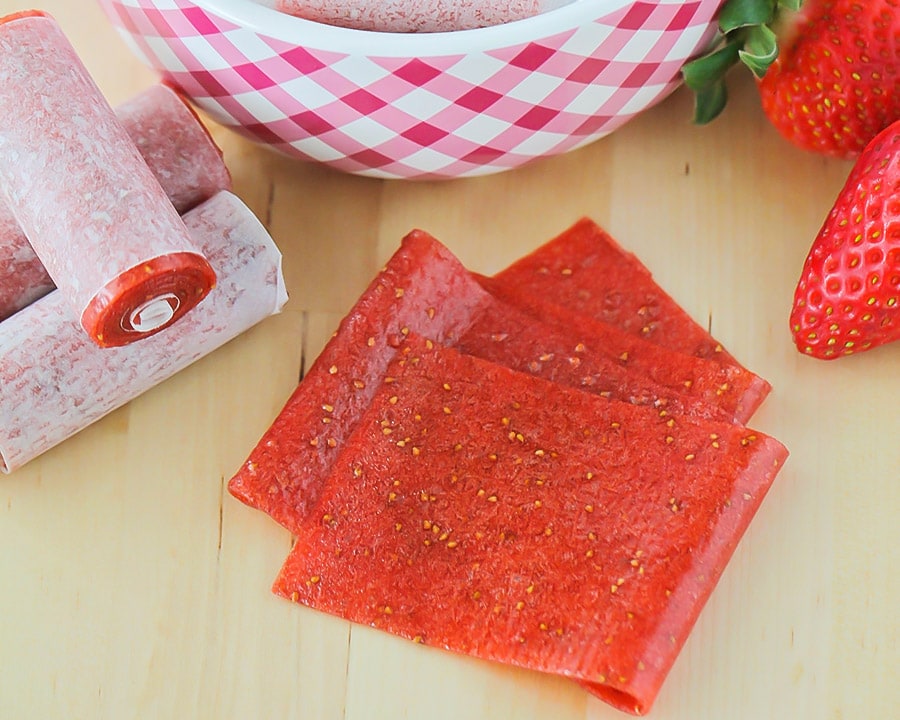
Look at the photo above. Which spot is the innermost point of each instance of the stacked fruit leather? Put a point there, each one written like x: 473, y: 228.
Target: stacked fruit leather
x: 547, y: 468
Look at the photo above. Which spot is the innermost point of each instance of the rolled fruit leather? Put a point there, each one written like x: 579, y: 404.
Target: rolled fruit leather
x: 177, y: 148
x: 101, y: 224
x: 54, y: 381
x: 416, y: 15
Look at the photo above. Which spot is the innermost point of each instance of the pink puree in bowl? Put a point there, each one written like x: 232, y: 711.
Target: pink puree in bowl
x: 416, y: 15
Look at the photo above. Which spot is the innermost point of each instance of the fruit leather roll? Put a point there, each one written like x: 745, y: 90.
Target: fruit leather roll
x: 178, y: 150
x: 54, y: 381
x: 102, y: 225
x: 418, y: 16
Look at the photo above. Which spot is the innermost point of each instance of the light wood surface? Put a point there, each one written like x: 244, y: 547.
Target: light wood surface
x: 133, y: 586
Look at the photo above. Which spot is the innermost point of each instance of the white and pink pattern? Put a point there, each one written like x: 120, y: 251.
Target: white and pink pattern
x: 407, y: 106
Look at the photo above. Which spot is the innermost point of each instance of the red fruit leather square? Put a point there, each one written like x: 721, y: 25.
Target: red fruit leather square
x: 553, y: 344
x: 492, y: 513
x: 424, y: 289
x: 584, y: 270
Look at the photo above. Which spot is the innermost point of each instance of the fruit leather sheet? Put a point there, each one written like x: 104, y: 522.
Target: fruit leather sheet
x: 585, y: 271
x: 96, y: 216
x: 178, y: 150
x: 424, y: 289
x: 496, y: 514
x: 54, y: 381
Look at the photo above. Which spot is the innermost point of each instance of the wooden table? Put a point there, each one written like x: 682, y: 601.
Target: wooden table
x: 133, y: 586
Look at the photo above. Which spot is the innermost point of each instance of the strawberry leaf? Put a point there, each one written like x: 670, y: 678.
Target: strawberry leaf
x: 706, y: 77
x: 743, y: 13
x: 710, y: 69
x: 760, y: 49
x: 745, y: 35
x: 709, y: 102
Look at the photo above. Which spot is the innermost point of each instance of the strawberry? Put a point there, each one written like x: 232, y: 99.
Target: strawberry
x: 836, y: 82
x: 828, y: 72
x: 848, y: 297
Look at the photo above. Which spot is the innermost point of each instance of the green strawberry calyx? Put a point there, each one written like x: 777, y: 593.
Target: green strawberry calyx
x: 746, y: 34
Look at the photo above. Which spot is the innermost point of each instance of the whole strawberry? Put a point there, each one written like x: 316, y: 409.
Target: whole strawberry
x: 848, y: 297
x: 836, y: 81
x: 828, y: 71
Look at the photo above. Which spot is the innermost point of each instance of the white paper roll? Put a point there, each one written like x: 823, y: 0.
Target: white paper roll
x: 54, y: 381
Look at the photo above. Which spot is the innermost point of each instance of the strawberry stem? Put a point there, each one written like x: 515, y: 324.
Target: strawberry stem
x: 744, y: 35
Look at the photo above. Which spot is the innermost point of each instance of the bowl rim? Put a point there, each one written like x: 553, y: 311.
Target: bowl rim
x: 265, y: 20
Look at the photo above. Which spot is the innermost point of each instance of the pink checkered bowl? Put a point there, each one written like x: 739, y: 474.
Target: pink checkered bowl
x: 419, y: 105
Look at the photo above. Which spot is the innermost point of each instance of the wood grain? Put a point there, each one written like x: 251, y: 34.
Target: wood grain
x: 133, y: 586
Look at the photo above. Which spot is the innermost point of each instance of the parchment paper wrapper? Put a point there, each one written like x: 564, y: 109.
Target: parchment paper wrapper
x: 54, y: 381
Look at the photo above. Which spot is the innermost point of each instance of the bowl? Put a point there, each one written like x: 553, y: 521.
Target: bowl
x: 419, y: 105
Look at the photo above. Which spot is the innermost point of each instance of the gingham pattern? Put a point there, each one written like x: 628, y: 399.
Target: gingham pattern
x: 428, y: 117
